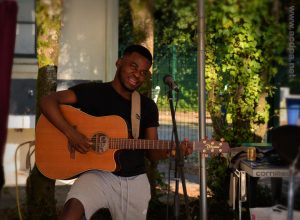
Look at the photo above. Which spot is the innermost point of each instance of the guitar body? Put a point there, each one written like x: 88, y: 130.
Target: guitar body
x: 52, y: 154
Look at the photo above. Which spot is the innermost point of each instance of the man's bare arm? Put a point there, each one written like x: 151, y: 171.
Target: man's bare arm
x: 151, y: 133
x: 50, y: 108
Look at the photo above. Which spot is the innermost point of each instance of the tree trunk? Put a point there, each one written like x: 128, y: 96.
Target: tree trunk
x: 143, y: 33
x: 263, y: 106
x: 143, y: 24
x: 40, y: 190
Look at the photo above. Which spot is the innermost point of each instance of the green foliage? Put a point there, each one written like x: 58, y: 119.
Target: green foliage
x: 184, y: 73
x: 125, y: 26
x: 176, y: 23
x: 218, y: 176
x: 243, y: 42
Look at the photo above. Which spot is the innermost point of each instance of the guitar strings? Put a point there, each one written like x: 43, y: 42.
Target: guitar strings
x: 124, y: 143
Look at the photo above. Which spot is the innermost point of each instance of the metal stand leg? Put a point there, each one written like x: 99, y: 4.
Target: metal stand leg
x: 292, y: 172
x: 291, y: 195
x: 242, y: 194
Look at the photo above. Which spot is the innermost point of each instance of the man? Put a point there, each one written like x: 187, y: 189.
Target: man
x: 125, y: 192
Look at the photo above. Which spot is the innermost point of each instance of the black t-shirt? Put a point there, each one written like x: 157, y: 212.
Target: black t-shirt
x: 100, y: 99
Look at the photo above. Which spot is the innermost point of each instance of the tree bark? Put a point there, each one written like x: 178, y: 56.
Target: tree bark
x: 143, y: 33
x: 40, y: 190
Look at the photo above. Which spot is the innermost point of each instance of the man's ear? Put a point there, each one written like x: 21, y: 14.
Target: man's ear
x: 119, y: 61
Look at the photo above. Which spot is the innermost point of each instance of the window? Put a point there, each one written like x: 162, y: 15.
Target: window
x: 25, y: 45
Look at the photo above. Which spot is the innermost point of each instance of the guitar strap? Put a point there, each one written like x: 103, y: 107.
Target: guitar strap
x: 135, y: 114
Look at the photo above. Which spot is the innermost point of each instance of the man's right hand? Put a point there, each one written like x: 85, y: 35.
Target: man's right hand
x: 78, y: 141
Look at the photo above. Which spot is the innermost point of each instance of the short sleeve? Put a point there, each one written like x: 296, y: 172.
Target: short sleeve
x: 83, y: 93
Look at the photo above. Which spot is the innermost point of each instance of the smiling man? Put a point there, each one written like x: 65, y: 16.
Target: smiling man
x: 126, y: 191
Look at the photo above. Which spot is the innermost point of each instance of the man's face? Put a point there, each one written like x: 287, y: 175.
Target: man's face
x: 132, y: 70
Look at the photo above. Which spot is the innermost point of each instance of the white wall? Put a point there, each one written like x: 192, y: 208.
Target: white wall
x: 89, y: 40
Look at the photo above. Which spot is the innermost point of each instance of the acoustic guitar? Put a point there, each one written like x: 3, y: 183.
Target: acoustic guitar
x: 56, y: 159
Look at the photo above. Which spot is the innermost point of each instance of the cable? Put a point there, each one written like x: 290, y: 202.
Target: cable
x: 31, y: 143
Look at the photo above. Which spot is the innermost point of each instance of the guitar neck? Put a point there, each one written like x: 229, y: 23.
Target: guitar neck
x: 102, y: 143
x: 135, y: 144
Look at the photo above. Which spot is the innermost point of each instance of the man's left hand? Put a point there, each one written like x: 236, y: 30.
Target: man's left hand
x: 185, y: 147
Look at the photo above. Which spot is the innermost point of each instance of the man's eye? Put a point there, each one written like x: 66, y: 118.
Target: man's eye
x: 144, y: 73
x: 133, y: 66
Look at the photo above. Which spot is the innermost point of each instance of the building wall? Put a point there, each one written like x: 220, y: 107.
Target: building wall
x: 89, y: 40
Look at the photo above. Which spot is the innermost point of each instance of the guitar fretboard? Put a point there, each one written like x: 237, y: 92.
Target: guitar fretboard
x: 133, y: 144
x: 103, y: 143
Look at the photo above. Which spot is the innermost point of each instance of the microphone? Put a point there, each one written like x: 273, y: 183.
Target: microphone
x: 168, y: 80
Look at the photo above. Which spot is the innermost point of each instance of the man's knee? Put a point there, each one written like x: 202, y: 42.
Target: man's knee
x: 73, y: 210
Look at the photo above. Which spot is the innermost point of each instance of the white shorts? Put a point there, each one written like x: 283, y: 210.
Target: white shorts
x: 126, y: 198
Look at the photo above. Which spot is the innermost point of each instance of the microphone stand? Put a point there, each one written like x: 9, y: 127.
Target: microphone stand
x: 292, y: 172
x: 179, y: 163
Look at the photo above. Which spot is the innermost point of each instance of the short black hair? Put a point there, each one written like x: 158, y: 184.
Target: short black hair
x: 139, y: 49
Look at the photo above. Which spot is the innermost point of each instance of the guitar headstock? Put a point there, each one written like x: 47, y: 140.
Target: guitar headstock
x: 212, y: 146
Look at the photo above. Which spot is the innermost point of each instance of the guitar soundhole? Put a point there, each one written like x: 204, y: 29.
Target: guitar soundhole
x: 100, y: 143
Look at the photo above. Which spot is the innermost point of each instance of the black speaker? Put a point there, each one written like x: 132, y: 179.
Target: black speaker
x: 286, y: 142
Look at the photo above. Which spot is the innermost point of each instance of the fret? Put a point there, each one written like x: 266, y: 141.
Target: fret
x: 125, y: 145
x: 147, y: 145
x: 134, y: 144
x: 142, y: 144
x: 152, y: 144
x: 129, y: 144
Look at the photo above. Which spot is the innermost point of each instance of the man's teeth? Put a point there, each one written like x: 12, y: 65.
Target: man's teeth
x: 132, y: 81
